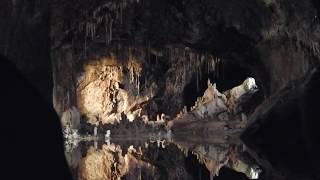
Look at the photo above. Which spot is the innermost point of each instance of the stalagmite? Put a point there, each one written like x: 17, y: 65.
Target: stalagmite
x: 215, y: 106
x: 107, y: 135
x: 217, y: 68
x: 138, y: 83
x: 95, y: 131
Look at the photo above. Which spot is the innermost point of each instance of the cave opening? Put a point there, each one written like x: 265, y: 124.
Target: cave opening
x: 228, y: 75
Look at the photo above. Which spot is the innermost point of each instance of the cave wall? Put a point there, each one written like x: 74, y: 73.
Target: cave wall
x: 24, y: 40
x: 261, y: 35
x: 283, y: 133
x: 113, y: 81
x: 276, y: 41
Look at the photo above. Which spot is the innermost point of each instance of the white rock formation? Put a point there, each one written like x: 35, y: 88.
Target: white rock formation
x: 235, y: 94
x: 215, y: 156
x: 217, y: 106
x: 71, y: 118
x: 72, y: 138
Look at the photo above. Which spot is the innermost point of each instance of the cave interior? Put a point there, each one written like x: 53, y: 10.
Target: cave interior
x: 160, y: 89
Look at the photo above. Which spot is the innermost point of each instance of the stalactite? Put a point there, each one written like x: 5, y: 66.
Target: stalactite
x: 112, y: 16
x: 87, y: 30
x: 121, y: 9
x: 99, y: 20
x: 92, y: 26
x: 200, y: 69
x: 188, y: 63
x: 110, y: 30
x: 145, y: 82
x: 217, y: 68
x: 208, y: 66
x: 85, y: 46
x: 117, y: 12
x: 106, y: 33
x: 197, y: 81
x: 135, y: 71
x: 213, y: 65
x: 184, y: 72
x: 138, y: 83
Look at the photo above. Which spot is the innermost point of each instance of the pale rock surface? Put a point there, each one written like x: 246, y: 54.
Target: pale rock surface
x: 216, y: 106
x: 215, y: 156
x: 100, y: 96
x: 234, y: 95
x: 71, y: 118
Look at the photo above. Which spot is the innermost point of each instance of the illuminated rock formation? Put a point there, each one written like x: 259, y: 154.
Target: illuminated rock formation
x: 215, y: 156
x: 109, y: 162
x: 125, y: 81
x: 219, y: 107
x: 237, y: 95
x: 71, y: 118
x: 99, y: 94
x: 157, y: 158
x: 101, y: 97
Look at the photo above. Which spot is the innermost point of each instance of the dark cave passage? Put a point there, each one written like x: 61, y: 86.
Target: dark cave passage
x: 288, y: 136
x: 228, y: 75
x: 195, y: 169
x: 317, y: 6
x: 200, y: 172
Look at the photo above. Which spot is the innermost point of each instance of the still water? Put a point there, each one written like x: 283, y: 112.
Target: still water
x: 159, y: 157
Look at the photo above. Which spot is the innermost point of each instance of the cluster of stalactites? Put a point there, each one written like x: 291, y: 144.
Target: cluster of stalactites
x: 111, y: 72
x: 135, y: 70
x: 192, y: 62
x: 106, y: 16
x: 183, y: 149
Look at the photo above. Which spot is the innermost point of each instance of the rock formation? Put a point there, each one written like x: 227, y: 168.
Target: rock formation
x: 107, y: 64
x: 221, y: 110
x: 109, y: 163
x: 138, y: 158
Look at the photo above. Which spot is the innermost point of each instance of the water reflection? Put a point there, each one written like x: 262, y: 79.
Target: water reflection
x: 158, y: 157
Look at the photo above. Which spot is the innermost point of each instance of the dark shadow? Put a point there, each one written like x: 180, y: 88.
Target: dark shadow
x: 288, y: 137
x: 195, y: 169
x: 228, y: 75
x: 226, y: 173
x: 32, y: 141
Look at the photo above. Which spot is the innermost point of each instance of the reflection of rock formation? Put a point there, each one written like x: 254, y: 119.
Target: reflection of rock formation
x: 99, y: 165
x: 211, y: 115
x: 110, y: 163
x: 158, y: 159
x: 216, y: 110
x: 143, y: 160
x: 215, y: 156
